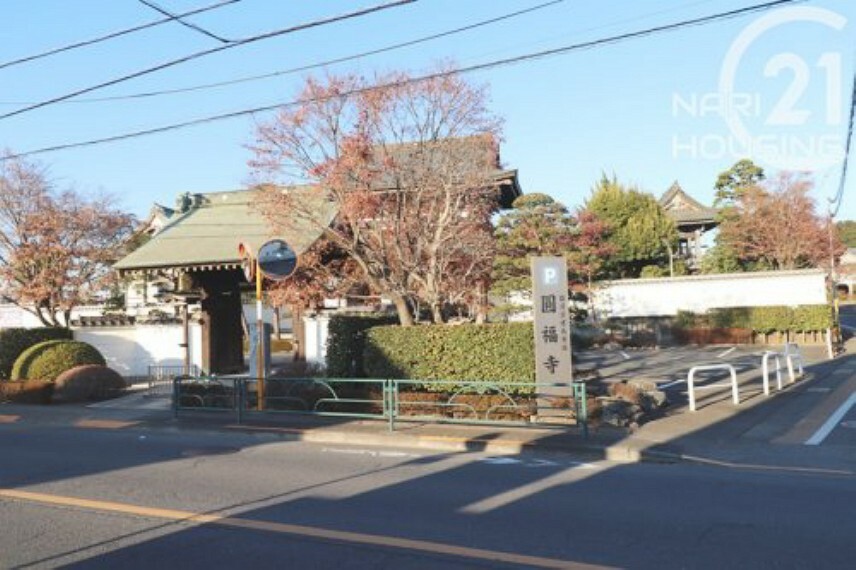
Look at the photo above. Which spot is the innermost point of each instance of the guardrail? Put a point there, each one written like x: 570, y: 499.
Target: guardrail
x: 735, y: 394
x: 793, y: 354
x: 442, y: 401
x: 765, y: 370
x: 161, y: 377
x: 790, y: 353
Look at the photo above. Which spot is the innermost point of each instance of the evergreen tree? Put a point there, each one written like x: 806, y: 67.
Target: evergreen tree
x: 537, y: 225
x: 640, y: 230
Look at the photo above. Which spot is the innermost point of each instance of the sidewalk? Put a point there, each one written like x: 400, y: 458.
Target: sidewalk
x: 759, y: 433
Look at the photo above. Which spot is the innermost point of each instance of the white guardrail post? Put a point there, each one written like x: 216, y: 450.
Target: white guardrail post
x: 792, y: 353
x: 735, y: 395
x: 765, y: 367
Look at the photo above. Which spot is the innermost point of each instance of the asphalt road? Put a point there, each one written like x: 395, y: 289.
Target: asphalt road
x: 181, y: 499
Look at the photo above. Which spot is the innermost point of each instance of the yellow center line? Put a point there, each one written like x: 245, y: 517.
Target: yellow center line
x: 104, y: 424
x: 300, y: 530
x: 8, y: 419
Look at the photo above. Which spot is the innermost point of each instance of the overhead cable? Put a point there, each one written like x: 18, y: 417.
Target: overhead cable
x: 180, y: 20
x: 469, y: 69
x: 197, y: 55
x: 113, y: 35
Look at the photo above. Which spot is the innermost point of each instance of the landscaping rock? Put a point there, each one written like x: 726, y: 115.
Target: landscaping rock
x: 617, y: 412
x: 656, y: 399
x: 643, y: 384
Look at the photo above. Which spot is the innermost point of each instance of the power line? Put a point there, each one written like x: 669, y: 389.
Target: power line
x: 316, y: 65
x: 184, y: 23
x: 469, y: 69
x: 843, y: 179
x: 113, y: 35
x: 245, y: 41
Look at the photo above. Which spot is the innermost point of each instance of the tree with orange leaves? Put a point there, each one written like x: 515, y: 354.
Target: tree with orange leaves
x: 775, y: 225
x: 408, y: 167
x: 55, y: 247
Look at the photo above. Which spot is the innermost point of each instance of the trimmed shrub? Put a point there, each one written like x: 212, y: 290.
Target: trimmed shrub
x: 22, y: 363
x: 761, y: 319
x: 502, y: 353
x: 15, y: 341
x: 88, y: 382
x: 47, y: 360
x: 346, y: 343
x: 26, y: 391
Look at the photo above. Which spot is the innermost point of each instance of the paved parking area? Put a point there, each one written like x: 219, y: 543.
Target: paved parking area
x: 668, y: 368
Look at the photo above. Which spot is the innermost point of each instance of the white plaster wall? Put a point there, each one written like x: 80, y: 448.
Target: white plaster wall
x: 130, y: 350
x: 12, y: 316
x: 316, y: 338
x: 699, y: 293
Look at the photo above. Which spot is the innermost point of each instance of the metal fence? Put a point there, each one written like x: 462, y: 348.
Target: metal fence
x: 394, y: 401
x: 160, y: 378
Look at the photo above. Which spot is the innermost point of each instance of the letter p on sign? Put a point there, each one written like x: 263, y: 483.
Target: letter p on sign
x: 551, y: 276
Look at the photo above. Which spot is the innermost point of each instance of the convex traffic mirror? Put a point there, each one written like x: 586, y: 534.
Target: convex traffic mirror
x: 277, y: 260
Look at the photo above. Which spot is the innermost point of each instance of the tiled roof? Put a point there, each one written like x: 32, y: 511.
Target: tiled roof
x: 683, y: 208
x: 208, y: 233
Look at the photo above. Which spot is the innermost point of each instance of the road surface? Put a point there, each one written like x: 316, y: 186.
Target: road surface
x: 103, y: 497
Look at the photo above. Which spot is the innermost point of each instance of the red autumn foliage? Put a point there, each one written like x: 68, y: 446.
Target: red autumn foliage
x: 55, y: 247
x: 776, y: 224
x: 407, y: 167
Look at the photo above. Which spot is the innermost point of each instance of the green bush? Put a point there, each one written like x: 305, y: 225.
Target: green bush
x: 346, y: 343
x: 501, y: 353
x: 22, y: 363
x: 47, y: 360
x: 15, y: 341
x: 731, y: 318
x: 760, y: 319
x: 88, y: 382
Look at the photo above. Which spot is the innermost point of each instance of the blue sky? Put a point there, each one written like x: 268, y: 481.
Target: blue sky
x: 646, y: 109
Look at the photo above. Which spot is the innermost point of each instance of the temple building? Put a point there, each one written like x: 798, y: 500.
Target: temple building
x: 195, y: 245
x: 692, y: 218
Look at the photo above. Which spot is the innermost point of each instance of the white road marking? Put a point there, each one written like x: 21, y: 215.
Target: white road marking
x: 370, y: 452
x: 727, y: 352
x: 499, y: 460
x: 624, y: 354
x: 503, y: 460
x: 832, y: 421
x: 540, y: 463
x: 670, y: 384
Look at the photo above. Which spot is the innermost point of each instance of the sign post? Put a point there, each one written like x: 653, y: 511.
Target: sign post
x: 276, y: 261
x: 552, y: 325
x: 552, y: 328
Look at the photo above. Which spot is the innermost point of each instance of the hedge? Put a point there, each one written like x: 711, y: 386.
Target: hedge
x: 47, y: 360
x: 803, y: 318
x: 15, y: 341
x: 88, y: 382
x: 346, y: 343
x: 26, y: 391
x: 501, y: 353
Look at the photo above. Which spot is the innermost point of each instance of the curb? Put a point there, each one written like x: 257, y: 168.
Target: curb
x: 612, y: 452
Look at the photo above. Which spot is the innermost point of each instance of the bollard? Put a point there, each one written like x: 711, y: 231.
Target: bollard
x: 735, y: 394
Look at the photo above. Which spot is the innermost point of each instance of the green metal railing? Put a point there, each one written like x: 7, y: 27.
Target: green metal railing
x: 394, y: 401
